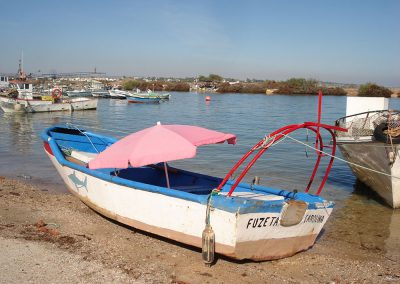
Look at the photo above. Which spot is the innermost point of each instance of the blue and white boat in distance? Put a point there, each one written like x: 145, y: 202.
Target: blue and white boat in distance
x: 79, y: 93
x: 143, y: 100
x: 228, y: 216
x: 150, y: 94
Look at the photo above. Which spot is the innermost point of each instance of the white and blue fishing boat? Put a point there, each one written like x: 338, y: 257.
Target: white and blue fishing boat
x: 150, y: 94
x: 143, y: 100
x: 226, y: 216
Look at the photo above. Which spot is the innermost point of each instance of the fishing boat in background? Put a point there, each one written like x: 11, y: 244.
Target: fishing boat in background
x: 21, y: 98
x: 79, y: 93
x: 98, y: 89
x: 150, y: 94
x: 129, y: 180
x: 100, y: 93
x: 143, y: 100
x: 372, y: 145
x: 118, y: 94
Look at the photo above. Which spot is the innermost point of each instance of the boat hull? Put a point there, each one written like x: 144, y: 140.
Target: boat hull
x: 78, y: 94
x: 118, y: 94
x: 247, y: 235
x: 33, y: 106
x: 151, y: 95
x: 136, y: 100
x: 375, y: 155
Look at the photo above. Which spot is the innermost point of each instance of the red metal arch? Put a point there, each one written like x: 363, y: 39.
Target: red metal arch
x: 277, y: 135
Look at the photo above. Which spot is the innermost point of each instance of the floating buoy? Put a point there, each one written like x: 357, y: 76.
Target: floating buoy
x: 208, y: 98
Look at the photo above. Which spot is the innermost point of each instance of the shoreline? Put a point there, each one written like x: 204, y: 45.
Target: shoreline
x: 51, y: 227
x: 350, y: 92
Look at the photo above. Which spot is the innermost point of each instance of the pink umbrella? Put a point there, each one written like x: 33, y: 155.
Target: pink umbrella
x: 160, y: 143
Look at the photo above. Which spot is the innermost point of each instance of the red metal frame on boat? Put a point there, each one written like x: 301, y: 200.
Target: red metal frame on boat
x: 277, y: 135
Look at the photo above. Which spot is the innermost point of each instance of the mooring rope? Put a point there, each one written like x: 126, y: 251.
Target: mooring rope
x: 76, y: 127
x: 340, y: 159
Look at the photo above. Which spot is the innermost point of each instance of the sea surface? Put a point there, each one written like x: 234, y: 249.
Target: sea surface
x: 359, y: 216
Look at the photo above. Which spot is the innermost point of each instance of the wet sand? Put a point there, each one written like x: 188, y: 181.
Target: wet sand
x: 53, y: 237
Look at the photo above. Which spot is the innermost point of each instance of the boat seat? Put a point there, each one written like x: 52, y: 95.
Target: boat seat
x: 85, y: 157
x: 196, y: 189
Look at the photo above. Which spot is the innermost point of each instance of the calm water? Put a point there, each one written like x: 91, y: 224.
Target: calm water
x: 286, y: 165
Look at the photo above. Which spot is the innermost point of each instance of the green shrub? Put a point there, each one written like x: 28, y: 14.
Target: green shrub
x: 131, y: 84
x: 373, y: 90
x: 177, y: 87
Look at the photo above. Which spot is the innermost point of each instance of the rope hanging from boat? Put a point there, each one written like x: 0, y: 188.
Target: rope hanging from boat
x: 83, y: 133
x: 342, y: 160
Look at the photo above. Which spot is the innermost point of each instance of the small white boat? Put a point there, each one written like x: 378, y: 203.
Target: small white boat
x: 230, y: 217
x: 372, y: 145
x: 79, y: 93
x: 98, y: 89
x: 143, y: 100
x: 150, y: 94
x: 118, y: 94
x: 100, y: 93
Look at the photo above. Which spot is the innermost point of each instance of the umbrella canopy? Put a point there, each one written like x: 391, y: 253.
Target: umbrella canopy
x: 160, y: 143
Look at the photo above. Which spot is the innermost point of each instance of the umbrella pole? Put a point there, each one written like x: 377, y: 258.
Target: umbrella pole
x: 166, y: 174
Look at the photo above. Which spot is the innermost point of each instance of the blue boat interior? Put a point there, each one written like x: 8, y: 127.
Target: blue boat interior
x: 178, y: 179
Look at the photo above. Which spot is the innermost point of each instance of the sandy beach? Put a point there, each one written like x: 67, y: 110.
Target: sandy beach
x: 53, y: 237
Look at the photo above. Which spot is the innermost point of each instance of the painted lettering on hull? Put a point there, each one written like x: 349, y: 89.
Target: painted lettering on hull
x: 314, y: 218
x: 262, y: 222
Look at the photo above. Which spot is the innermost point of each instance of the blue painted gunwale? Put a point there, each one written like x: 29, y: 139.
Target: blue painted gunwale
x: 230, y: 204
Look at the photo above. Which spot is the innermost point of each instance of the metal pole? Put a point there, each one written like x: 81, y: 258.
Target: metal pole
x: 166, y: 174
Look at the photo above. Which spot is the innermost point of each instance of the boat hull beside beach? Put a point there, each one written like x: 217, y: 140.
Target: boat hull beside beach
x: 375, y: 155
x: 371, y: 145
x: 254, y: 222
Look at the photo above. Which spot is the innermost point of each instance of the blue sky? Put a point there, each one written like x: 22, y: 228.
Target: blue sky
x: 337, y: 40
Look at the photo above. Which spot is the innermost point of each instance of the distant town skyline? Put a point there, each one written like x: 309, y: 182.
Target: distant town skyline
x: 337, y: 41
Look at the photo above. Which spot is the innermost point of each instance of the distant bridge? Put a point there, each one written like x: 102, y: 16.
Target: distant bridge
x: 55, y: 75
x: 71, y: 74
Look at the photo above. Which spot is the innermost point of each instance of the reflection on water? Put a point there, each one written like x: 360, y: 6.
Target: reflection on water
x: 287, y: 165
x: 364, y: 220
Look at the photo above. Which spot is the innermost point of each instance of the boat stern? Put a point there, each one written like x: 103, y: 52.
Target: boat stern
x: 276, y: 229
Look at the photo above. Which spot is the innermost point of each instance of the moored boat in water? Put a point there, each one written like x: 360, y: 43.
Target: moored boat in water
x: 79, y: 93
x: 100, y: 93
x: 21, y: 98
x: 118, y: 94
x: 129, y: 181
x: 143, y: 100
x: 372, y: 145
x: 150, y: 94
